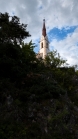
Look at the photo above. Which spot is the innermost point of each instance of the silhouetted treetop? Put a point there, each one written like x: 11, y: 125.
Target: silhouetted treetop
x: 11, y: 30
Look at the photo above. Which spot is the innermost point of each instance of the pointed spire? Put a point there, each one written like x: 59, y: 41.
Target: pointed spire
x: 44, y: 28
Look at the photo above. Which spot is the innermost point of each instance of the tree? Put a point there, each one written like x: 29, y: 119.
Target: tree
x: 12, y: 56
x: 11, y: 30
x: 54, y: 60
x: 27, y: 51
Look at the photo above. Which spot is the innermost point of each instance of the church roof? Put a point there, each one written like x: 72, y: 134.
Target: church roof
x: 44, y: 28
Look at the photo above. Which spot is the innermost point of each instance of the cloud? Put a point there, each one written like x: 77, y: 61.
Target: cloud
x: 58, y: 14
x: 60, y: 34
x: 68, y: 47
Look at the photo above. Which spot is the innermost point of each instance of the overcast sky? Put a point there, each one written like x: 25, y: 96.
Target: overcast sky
x: 61, y: 23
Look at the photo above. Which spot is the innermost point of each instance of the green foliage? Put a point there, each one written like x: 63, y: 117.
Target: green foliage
x: 28, y: 55
x: 14, y: 60
x: 11, y: 30
x: 54, y: 60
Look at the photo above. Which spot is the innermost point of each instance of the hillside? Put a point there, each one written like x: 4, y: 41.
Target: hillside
x: 40, y: 108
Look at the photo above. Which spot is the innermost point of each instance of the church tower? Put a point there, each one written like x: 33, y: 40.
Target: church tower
x: 44, y: 43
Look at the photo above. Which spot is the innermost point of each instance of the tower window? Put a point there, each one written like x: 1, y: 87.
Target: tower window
x: 47, y: 46
x: 42, y: 45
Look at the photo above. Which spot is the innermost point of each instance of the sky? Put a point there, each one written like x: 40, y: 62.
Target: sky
x: 61, y: 18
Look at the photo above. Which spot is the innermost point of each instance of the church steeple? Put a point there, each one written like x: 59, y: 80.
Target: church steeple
x: 44, y: 43
x: 44, y: 28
